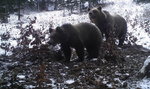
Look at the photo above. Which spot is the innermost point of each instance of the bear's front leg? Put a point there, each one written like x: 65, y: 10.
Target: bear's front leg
x: 121, y: 39
x: 80, y: 53
x: 67, y: 52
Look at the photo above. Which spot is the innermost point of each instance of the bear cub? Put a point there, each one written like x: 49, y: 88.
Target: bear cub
x: 79, y: 36
x: 110, y: 25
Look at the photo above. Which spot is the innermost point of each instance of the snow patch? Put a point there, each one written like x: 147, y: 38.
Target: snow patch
x: 144, y: 84
x: 146, y: 63
x: 21, y: 76
x: 70, y: 81
x: 86, y: 4
x: 30, y: 86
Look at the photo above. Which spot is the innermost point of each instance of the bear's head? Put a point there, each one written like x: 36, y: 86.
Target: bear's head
x: 96, y: 14
x: 56, y: 36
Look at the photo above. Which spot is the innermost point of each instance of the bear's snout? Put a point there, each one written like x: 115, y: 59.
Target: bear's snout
x: 52, y: 42
x: 92, y: 16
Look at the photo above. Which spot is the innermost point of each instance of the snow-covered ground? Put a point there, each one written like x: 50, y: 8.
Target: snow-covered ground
x: 133, y: 13
x: 43, y: 22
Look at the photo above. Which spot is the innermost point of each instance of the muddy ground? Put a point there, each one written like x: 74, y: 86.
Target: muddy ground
x: 49, y: 73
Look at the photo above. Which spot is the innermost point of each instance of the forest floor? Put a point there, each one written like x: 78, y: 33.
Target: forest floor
x: 93, y: 74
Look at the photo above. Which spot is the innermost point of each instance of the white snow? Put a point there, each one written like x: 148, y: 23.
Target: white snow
x: 144, y: 84
x: 2, y: 51
x: 70, y: 81
x: 94, y: 59
x: 29, y: 86
x: 31, y: 46
x: 21, y: 76
x: 53, y: 83
x: 86, y: 4
x: 147, y: 61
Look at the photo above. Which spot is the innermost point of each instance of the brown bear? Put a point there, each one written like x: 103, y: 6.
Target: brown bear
x: 79, y: 36
x: 110, y: 25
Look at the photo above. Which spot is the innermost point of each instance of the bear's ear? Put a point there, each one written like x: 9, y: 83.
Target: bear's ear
x: 59, y: 29
x: 51, y: 30
x: 99, y: 8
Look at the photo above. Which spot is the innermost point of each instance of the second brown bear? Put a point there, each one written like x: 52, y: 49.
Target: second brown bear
x: 109, y: 24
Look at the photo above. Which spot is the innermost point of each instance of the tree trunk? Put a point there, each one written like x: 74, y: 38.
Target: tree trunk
x: 56, y: 4
x: 19, y: 10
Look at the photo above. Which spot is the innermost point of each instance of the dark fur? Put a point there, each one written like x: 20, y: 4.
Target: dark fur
x: 109, y: 24
x: 80, y: 36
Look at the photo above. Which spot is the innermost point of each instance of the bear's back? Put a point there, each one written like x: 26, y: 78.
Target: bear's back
x: 120, y: 23
x: 88, y: 32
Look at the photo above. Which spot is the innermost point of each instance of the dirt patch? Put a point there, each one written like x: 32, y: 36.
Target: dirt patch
x: 49, y: 73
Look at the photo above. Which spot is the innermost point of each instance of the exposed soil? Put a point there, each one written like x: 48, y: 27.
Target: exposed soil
x: 49, y: 73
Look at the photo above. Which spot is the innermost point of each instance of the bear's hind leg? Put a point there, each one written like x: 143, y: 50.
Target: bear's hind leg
x: 80, y: 53
x: 121, y: 40
x: 93, y: 52
x: 67, y: 52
